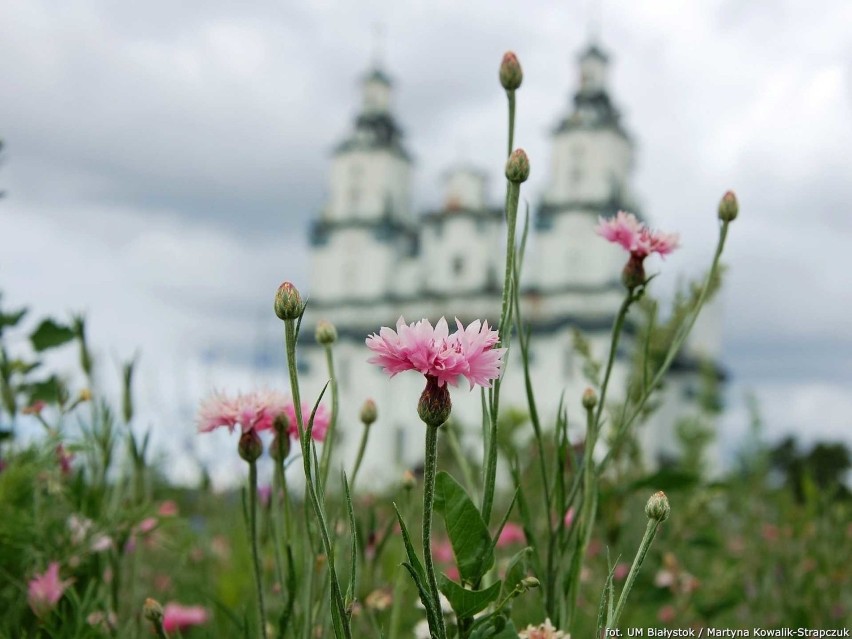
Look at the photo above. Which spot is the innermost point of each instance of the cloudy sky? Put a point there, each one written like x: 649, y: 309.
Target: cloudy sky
x: 163, y: 160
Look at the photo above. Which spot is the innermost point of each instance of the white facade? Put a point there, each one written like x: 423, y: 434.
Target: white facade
x: 374, y: 261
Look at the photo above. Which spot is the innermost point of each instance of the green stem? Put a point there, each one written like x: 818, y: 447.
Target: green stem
x: 307, y: 457
x: 332, y: 424
x: 613, y: 348
x: 676, y: 344
x: 365, y: 433
x: 510, y: 94
x: 430, y: 470
x: 261, y: 610
x: 647, y: 540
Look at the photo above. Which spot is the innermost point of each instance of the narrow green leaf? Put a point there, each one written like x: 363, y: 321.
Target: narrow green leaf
x: 49, y: 334
x: 466, y: 603
x: 350, y: 591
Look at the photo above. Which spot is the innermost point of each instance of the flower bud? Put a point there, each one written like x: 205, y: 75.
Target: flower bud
x: 729, y: 207
x: 281, y: 425
x: 369, y: 413
x: 530, y: 582
x: 658, y: 507
x: 511, y: 74
x: 250, y: 446
x: 279, y: 449
x: 409, y: 481
x: 434, y: 406
x: 153, y: 611
x: 518, y: 167
x: 590, y: 399
x: 633, y: 274
x: 325, y: 333
x: 288, y: 302
x: 85, y: 395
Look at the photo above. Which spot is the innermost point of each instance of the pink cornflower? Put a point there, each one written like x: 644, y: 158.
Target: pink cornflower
x: 542, y: 631
x: 434, y: 352
x: 635, y: 237
x: 257, y: 411
x: 179, y: 617
x: 511, y: 534
x: 45, y: 590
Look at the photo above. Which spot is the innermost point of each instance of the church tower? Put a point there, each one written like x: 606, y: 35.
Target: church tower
x: 591, y: 162
x: 367, y: 221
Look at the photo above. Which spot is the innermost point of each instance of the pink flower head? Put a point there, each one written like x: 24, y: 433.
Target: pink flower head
x: 256, y: 411
x: 621, y: 571
x: 45, y: 590
x: 321, y: 420
x: 468, y: 352
x: 569, y: 517
x: 179, y: 617
x: 510, y: 535
x: 633, y: 236
x: 168, y: 508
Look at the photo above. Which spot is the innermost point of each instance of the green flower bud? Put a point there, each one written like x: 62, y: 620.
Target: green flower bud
x: 633, y: 274
x: 250, y: 446
x: 729, y: 207
x: 325, y: 333
x: 590, y: 399
x: 658, y: 507
x: 518, y: 167
x: 434, y: 406
x: 369, y: 412
x: 279, y: 449
x: 511, y: 74
x: 153, y: 611
x: 288, y: 302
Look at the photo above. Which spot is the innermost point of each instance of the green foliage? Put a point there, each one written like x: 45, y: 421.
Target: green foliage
x: 50, y: 334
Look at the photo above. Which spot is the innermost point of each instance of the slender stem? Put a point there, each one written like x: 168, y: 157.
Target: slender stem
x: 431, y: 465
x: 332, y: 424
x: 365, y: 433
x: 676, y: 344
x: 310, y: 487
x: 650, y: 533
x: 158, y: 628
x: 613, y: 348
x: 510, y: 94
x: 261, y: 610
x: 513, y: 196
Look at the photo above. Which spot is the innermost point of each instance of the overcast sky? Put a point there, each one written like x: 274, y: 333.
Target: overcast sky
x: 163, y: 159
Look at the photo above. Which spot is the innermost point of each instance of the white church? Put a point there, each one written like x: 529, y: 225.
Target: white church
x: 374, y: 259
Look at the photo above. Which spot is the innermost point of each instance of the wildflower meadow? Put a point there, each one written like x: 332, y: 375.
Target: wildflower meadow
x: 533, y: 534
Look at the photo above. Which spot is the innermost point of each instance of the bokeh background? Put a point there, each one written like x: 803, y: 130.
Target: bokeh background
x: 162, y: 162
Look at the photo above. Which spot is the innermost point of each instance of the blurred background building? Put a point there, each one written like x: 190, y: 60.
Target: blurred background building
x: 375, y: 259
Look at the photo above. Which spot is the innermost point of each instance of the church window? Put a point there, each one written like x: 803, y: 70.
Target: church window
x: 458, y: 265
x: 399, y: 445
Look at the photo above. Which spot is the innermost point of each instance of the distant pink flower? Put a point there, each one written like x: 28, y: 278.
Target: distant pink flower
x: 667, y: 614
x: 624, y: 229
x: 64, y: 458
x: 511, y: 534
x: 45, y: 590
x: 569, y: 517
x: 147, y: 525
x: 168, y: 508
x: 434, y: 352
x: 179, y: 617
x: 443, y: 552
x: 620, y: 572
x: 321, y: 420
x: 264, y: 493
x: 256, y: 411
x: 34, y: 409
x: 542, y: 631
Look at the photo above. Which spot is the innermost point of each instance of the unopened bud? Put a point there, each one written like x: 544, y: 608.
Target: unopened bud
x: 409, y: 481
x: 729, y: 207
x: 279, y: 449
x: 85, y: 395
x: 281, y: 424
x: 250, y: 446
x: 658, y: 507
x: 590, y: 399
x: 511, y: 74
x: 434, y: 406
x: 153, y: 611
x: 530, y: 582
x: 633, y: 274
x: 518, y: 167
x: 288, y: 302
x: 369, y: 412
x: 325, y: 333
